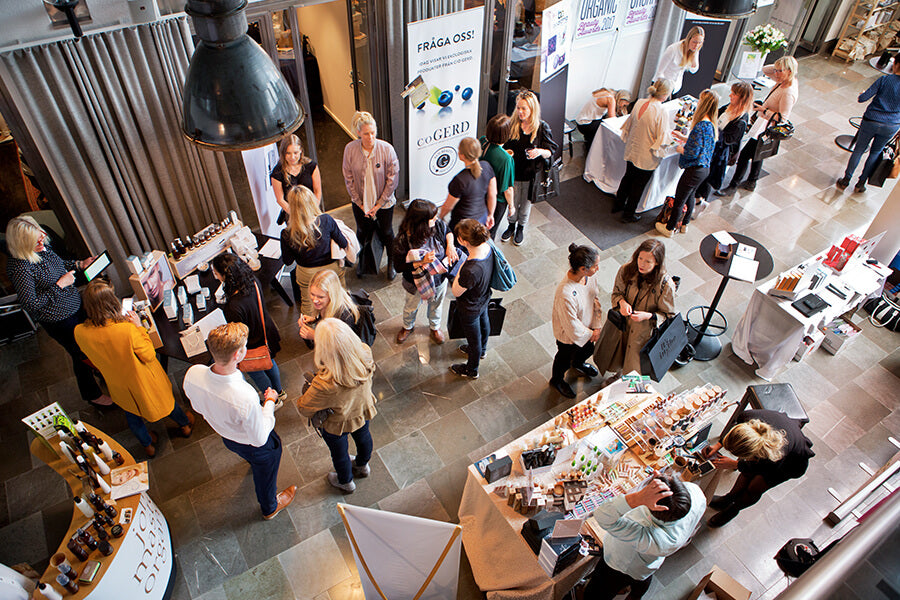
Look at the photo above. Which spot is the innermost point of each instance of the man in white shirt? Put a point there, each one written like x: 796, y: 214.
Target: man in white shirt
x: 642, y: 529
x: 231, y: 407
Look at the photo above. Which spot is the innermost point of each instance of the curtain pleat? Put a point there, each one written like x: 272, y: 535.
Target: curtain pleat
x: 104, y: 112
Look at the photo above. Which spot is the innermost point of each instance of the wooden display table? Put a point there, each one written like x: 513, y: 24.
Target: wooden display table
x: 142, y: 565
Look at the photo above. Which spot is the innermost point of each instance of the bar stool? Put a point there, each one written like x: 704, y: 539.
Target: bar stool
x: 845, y: 141
x: 779, y: 397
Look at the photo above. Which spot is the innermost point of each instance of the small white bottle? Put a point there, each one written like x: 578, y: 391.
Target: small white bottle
x: 47, y: 591
x: 103, y: 485
x: 106, y: 450
x: 101, y: 464
x: 66, y: 452
x: 84, y: 507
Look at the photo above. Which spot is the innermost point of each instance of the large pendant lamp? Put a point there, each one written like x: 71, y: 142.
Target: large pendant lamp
x: 727, y: 9
x: 234, y: 96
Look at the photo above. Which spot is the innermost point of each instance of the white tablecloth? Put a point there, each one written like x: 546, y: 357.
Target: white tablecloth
x: 770, y: 331
x: 605, y: 163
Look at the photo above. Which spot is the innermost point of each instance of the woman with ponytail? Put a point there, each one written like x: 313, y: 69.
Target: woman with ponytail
x: 472, y: 194
x: 769, y: 449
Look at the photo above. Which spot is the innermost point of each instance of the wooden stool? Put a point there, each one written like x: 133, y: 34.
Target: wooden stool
x: 771, y: 396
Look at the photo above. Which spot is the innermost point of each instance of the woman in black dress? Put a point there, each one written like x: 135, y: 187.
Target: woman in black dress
x: 770, y: 449
x: 472, y: 193
x: 294, y: 168
x: 472, y: 288
x: 242, y: 306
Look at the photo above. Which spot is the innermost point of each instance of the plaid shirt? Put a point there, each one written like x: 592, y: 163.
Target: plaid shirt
x: 424, y: 276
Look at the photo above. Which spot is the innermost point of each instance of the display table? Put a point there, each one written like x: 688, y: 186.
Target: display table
x: 503, y: 564
x: 169, y: 331
x: 142, y: 565
x: 771, y: 330
x: 708, y: 347
x: 605, y: 162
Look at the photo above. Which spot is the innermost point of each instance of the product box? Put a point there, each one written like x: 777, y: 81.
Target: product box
x: 809, y: 344
x: 722, y: 585
x: 838, y: 333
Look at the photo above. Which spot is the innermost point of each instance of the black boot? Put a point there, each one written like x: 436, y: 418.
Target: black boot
x: 390, y: 272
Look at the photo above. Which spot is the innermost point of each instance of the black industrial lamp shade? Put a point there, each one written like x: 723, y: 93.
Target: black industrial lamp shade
x: 729, y: 9
x: 234, y: 96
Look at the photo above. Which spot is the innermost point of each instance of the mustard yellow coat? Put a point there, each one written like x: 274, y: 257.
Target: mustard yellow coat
x: 125, y: 356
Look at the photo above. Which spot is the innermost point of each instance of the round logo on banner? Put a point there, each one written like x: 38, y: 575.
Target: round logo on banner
x: 442, y: 160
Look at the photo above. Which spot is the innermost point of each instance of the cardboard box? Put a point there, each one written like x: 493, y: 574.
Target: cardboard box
x: 722, y: 585
x: 838, y: 333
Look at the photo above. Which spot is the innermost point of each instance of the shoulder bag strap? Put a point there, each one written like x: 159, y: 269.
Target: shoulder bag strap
x: 262, y: 318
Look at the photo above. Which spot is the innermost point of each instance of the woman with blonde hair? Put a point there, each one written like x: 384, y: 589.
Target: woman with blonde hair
x: 307, y: 241
x: 696, y: 153
x: 341, y: 394
x: 603, y: 103
x: 45, y: 285
x: 645, y: 132
x: 329, y: 301
x: 769, y: 449
x: 121, y: 349
x: 683, y: 55
x: 371, y: 173
x: 533, y: 147
x: 776, y: 107
x: 472, y: 193
x: 732, y: 123
x: 294, y: 168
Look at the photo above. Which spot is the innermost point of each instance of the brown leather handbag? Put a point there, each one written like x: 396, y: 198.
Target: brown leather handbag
x: 258, y: 359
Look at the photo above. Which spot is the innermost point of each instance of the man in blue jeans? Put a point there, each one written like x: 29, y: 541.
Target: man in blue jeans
x: 879, y: 124
x: 231, y: 407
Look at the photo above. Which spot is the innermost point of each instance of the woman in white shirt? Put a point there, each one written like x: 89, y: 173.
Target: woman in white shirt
x: 683, y: 55
x: 576, y: 318
x: 645, y: 132
x: 603, y: 103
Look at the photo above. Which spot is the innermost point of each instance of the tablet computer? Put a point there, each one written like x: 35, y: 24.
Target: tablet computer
x: 97, y: 266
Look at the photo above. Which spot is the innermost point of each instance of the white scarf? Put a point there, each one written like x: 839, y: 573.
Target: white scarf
x: 370, y: 196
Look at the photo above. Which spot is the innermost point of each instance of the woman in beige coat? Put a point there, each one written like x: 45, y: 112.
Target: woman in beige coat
x: 121, y: 350
x: 645, y: 296
x: 342, y: 385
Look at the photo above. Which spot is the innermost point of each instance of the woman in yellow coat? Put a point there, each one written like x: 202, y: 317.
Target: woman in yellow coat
x: 645, y: 296
x: 120, y: 348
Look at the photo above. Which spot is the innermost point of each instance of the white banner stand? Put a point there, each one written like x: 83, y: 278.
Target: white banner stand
x: 403, y: 557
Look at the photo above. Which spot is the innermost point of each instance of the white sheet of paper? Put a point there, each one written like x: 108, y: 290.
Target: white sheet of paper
x: 210, y: 322
x: 743, y: 268
x: 723, y: 237
x: 566, y: 528
x: 745, y: 251
x: 271, y: 249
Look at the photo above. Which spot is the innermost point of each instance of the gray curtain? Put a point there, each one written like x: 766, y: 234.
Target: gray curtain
x: 416, y: 10
x: 667, y: 23
x: 102, y: 117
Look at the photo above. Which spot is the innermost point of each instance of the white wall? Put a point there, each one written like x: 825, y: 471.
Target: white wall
x: 326, y: 26
x: 839, y: 17
x: 613, y: 60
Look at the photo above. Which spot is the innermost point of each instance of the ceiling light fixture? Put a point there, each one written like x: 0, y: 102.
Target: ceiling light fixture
x: 235, y: 98
x: 727, y: 9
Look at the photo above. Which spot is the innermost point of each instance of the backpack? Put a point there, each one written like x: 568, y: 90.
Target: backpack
x: 365, y: 325
x: 503, y: 277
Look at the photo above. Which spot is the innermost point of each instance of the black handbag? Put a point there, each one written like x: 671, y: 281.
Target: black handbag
x: 616, y: 319
x: 766, y: 146
x: 663, y: 347
x: 882, y: 169
x: 883, y: 312
x: 496, y: 316
x: 546, y: 182
x: 369, y: 257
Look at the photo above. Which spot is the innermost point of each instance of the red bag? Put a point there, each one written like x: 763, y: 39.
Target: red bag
x: 257, y: 359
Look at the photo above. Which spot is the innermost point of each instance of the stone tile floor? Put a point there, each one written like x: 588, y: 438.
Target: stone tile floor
x: 432, y: 425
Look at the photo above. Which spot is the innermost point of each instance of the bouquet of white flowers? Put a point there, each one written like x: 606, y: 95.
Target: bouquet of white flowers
x: 765, y: 38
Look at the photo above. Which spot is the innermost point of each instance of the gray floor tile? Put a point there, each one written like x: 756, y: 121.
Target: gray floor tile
x: 34, y: 490
x: 452, y: 435
x: 407, y: 411
x: 210, y: 561
x: 417, y: 500
x: 494, y: 415
x: 409, y: 458
x: 171, y: 478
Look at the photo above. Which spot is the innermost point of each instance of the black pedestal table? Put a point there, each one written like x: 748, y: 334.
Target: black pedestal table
x: 708, y: 347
